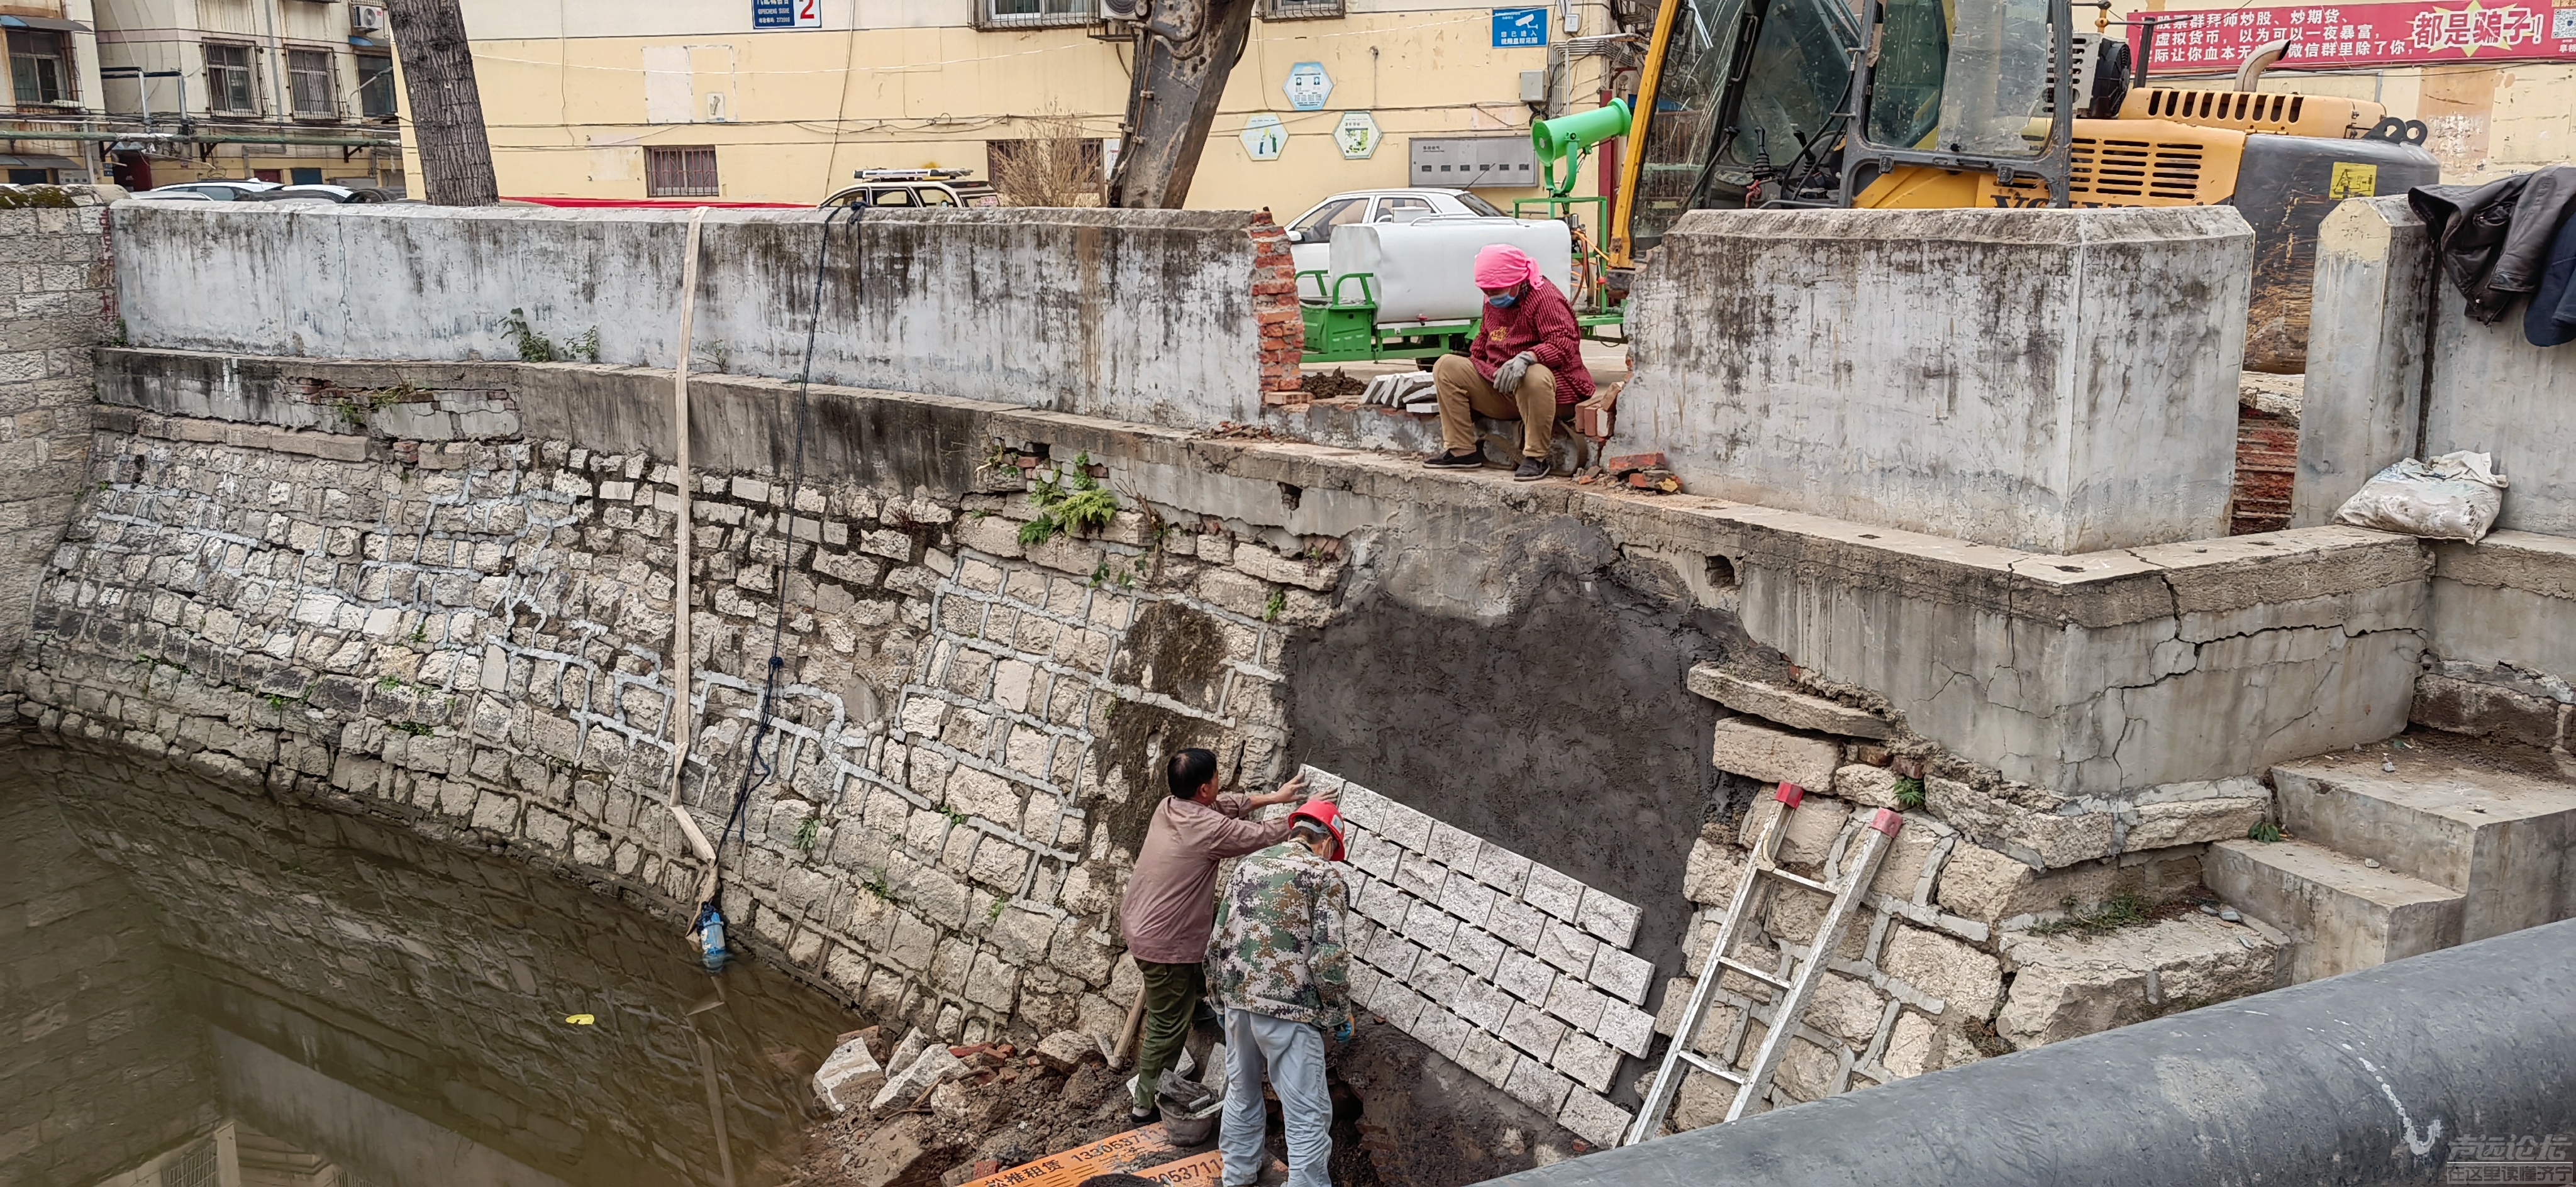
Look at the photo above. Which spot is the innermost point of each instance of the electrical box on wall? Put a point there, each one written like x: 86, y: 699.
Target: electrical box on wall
x: 1473, y: 162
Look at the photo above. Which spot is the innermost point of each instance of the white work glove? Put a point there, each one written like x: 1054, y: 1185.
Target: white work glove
x: 1507, y: 378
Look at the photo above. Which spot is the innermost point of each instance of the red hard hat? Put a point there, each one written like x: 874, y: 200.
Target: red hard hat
x: 1326, y: 813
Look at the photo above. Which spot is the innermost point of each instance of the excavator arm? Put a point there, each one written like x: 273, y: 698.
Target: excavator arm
x: 1184, y: 51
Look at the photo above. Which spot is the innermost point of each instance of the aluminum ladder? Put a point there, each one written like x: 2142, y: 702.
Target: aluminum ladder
x: 1761, y: 872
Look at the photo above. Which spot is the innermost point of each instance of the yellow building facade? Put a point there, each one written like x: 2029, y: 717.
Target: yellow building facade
x: 612, y: 101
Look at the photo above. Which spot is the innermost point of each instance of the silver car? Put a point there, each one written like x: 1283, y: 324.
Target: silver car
x: 1310, y: 238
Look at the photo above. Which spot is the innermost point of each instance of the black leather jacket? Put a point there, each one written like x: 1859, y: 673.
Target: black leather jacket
x: 2493, y: 239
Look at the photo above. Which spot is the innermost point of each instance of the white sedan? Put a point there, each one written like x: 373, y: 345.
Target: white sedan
x: 1310, y: 238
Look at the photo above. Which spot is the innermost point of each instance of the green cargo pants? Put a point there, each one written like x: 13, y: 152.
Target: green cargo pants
x: 1172, y: 993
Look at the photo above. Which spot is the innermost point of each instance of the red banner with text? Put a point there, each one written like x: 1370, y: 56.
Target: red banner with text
x: 2352, y: 35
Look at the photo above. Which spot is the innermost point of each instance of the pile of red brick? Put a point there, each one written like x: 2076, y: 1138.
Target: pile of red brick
x: 1274, y: 303
x: 2267, y: 460
x: 1643, y: 472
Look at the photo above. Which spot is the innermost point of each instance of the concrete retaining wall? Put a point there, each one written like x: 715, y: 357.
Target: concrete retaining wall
x: 1142, y: 315
x: 2058, y: 381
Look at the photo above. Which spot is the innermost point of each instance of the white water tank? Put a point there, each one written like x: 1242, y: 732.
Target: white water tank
x: 1426, y: 269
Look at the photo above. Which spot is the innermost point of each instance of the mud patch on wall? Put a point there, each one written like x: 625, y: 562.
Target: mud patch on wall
x: 1562, y: 730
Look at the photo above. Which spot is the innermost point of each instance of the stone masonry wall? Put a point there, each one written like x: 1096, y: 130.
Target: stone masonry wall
x: 1959, y: 950
x: 961, y: 755
x: 440, y: 593
x: 1523, y: 976
x: 54, y: 306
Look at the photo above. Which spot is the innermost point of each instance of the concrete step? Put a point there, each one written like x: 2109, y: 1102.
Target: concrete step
x: 2340, y: 914
x: 2504, y: 840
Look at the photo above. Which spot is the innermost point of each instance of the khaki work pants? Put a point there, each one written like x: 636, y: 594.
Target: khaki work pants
x: 1466, y: 395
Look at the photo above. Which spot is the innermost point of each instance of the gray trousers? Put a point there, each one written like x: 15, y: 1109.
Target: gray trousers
x: 1292, y: 1054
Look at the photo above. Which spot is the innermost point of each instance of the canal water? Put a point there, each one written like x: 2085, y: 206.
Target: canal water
x: 204, y: 984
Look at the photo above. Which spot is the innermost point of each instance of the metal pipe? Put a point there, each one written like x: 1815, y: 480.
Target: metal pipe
x: 2362, y: 1079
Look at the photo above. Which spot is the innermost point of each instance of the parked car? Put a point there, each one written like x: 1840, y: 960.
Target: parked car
x: 319, y: 193
x: 1310, y: 238
x: 212, y: 191
x: 916, y: 187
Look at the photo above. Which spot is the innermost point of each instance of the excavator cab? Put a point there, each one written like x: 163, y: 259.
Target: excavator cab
x: 1770, y: 103
x: 1961, y: 103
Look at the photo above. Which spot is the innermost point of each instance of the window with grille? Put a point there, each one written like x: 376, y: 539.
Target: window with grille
x: 40, y: 67
x: 197, y: 1166
x: 229, y: 79
x: 1015, y: 14
x: 308, y: 74
x: 375, y: 84
x: 680, y: 172
x: 1299, y: 10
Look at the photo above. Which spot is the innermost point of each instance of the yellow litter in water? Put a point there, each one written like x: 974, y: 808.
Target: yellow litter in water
x: 580, y: 1019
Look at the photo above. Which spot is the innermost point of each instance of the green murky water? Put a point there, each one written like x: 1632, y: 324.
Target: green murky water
x: 205, y: 985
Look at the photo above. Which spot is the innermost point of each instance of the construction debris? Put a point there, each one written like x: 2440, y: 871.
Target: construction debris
x: 1330, y: 386
x: 851, y: 1074
x: 1065, y: 1050
x: 936, y: 1066
x: 1643, y: 472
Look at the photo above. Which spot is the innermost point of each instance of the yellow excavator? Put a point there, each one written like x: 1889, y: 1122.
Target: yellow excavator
x: 1957, y: 103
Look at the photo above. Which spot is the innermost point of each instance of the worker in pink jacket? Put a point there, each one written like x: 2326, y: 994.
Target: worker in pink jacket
x: 1171, y: 901
x: 1526, y: 364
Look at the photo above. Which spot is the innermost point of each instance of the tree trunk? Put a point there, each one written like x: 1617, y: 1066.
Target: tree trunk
x: 446, y: 110
x: 1172, y: 98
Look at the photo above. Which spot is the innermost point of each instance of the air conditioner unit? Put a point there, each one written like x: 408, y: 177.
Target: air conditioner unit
x: 366, y: 18
x: 1118, y: 11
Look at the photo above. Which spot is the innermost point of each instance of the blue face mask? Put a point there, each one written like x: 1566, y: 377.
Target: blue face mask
x: 1504, y: 301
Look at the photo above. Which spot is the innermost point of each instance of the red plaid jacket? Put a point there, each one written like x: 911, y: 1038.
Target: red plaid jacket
x: 1542, y: 324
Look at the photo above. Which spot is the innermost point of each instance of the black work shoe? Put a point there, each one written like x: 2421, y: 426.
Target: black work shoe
x: 1144, y: 1116
x: 1445, y: 460
x: 1532, y: 469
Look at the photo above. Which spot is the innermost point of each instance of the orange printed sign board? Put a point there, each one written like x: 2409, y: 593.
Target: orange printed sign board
x: 1120, y: 1152
x: 1126, y: 1152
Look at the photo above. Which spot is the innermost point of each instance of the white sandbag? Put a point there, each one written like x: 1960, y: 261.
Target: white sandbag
x: 2453, y: 497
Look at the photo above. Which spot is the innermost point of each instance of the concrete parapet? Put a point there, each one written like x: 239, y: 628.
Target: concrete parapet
x: 2105, y: 675
x: 1143, y: 315
x: 2059, y: 381
x: 2365, y: 380
x: 2382, y: 318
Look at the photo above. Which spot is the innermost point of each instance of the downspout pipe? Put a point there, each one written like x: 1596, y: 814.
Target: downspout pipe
x: 2361, y: 1079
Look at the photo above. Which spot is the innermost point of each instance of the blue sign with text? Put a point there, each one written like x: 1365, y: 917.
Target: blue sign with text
x: 1516, y: 27
x: 786, y: 14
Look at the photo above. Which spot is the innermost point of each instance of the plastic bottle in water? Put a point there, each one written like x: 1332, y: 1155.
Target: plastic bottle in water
x: 711, y: 939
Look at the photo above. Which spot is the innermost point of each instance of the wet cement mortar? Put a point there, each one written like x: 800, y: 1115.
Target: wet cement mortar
x: 1529, y: 686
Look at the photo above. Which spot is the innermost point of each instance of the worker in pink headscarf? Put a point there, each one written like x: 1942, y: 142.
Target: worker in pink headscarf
x: 1526, y: 364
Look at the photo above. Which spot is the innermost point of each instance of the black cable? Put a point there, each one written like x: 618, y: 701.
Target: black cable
x: 756, y: 772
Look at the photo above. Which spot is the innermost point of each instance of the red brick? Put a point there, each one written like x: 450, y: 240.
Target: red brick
x: 1633, y: 461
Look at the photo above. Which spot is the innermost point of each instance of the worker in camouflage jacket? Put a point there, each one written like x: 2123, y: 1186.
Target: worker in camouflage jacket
x: 1280, y: 971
